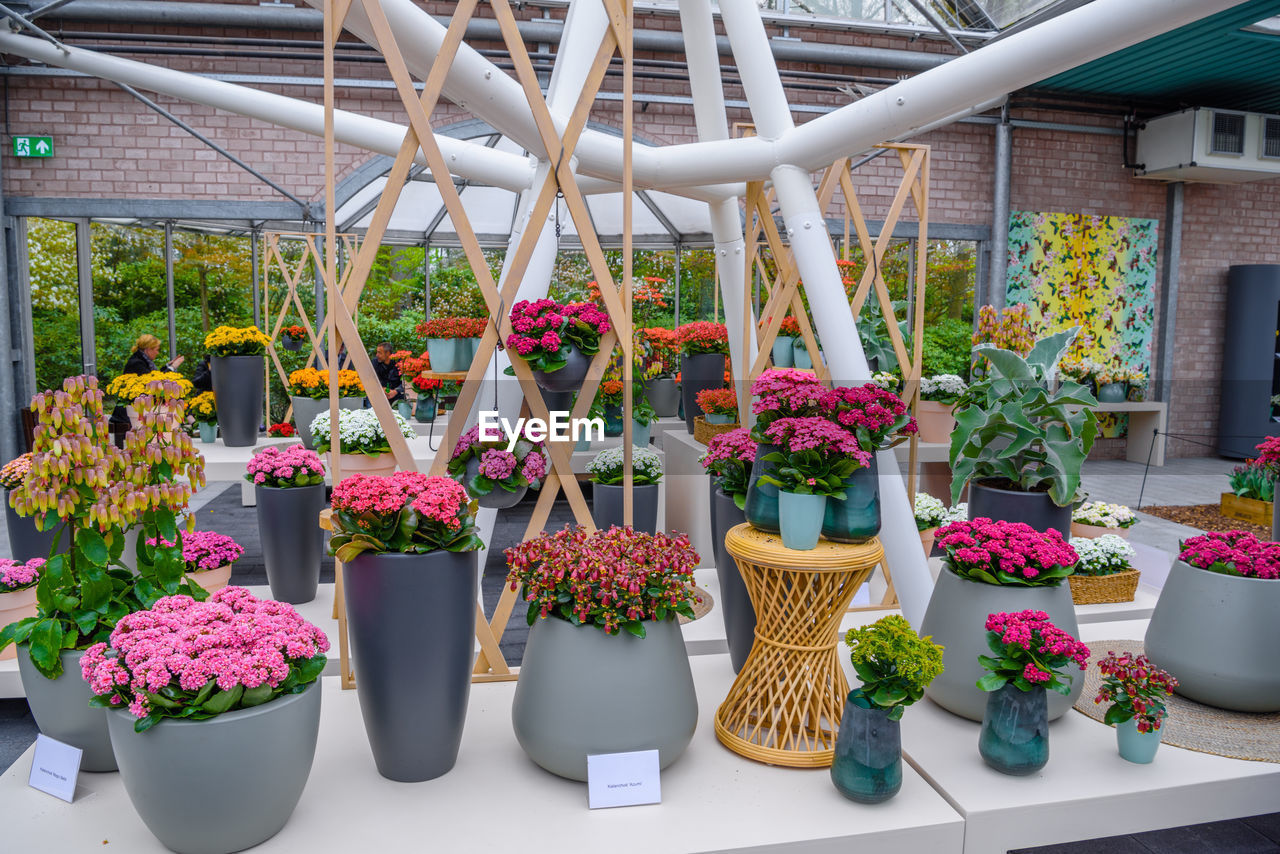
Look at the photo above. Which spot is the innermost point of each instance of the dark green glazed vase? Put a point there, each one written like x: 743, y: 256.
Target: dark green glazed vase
x: 856, y: 519
x: 867, y: 766
x: 762, y: 498
x: 1015, y: 731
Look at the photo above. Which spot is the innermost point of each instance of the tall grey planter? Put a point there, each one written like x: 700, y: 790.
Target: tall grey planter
x: 1218, y: 635
x: 292, y: 542
x: 26, y: 541
x: 735, y: 604
x: 1249, y: 366
x: 606, y: 506
x: 222, y: 784
x: 699, y: 371
x: 413, y: 621
x: 1012, y: 505
x: 582, y: 691
x: 956, y: 618
x: 61, y: 709
x: 237, y: 389
x: 663, y: 395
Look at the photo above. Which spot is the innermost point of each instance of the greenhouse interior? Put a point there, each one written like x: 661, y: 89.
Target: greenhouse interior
x: 804, y: 426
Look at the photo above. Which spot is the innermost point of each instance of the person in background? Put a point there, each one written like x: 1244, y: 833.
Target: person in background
x: 142, y: 360
x: 203, y: 378
x: 388, y: 373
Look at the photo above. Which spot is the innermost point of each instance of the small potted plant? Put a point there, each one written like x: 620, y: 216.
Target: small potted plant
x: 208, y: 556
x: 26, y: 540
x: 608, y: 406
x: 718, y: 405
x: 815, y: 457
x: 605, y: 669
x: 283, y: 430
x: 784, y: 345
x: 557, y: 340
x: 991, y: 566
x: 1112, y: 384
x: 728, y: 460
x: 704, y: 346
x: 405, y: 540
x: 930, y: 515
x: 18, y: 593
x: 1136, y: 690
x: 935, y: 413
x: 776, y: 393
x: 890, y: 381
x: 894, y: 665
x: 364, y: 446
x: 288, y: 485
x: 1269, y: 460
x: 309, y: 394
x: 443, y: 351
x: 1098, y: 518
x: 1136, y: 382
x: 494, y: 476
x: 1029, y: 657
x: 1215, y: 625
x: 203, y: 409
x: 239, y: 374
x: 214, y: 703
x: 424, y: 409
x: 606, y: 472
x: 1104, y: 572
x: 658, y: 350
x: 293, y: 336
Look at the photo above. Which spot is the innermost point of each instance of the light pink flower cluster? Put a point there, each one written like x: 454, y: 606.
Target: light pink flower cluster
x: 284, y: 467
x: 497, y: 464
x: 18, y: 576
x: 376, y: 494
x: 1233, y: 553
x: 867, y: 408
x: 534, y: 468
x: 1013, y: 548
x: 205, y: 550
x: 443, y: 500
x: 802, y: 434
x: 734, y: 445
x: 786, y: 392
x: 232, y: 638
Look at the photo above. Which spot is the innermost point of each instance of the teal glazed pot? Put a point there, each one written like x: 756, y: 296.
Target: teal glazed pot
x: 856, y: 519
x: 443, y: 353
x: 1014, y: 738
x: 783, y: 352
x: 867, y: 765
x: 425, y: 409
x: 800, y: 518
x: 762, y: 498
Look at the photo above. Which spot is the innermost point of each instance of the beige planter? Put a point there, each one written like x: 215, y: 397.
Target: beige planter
x: 926, y: 539
x: 1090, y: 532
x: 212, y: 580
x: 15, y: 606
x: 935, y: 421
x: 381, y: 464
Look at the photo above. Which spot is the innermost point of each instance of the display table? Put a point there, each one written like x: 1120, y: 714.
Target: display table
x: 784, y: 708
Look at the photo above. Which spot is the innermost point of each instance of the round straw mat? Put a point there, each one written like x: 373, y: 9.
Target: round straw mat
x: 702, y: 607
x: 1195, y: 726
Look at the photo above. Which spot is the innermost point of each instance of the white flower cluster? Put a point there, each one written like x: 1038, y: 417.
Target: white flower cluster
x: 1104, y: 515
x: 1103, y: 555
x: 944, y: 388
x: 645, y: 464
x: 886, y: 380
x: 959, y: 513
x: 929, y: 511
x: 358, y: 427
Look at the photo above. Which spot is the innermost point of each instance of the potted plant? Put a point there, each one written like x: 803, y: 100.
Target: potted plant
x: 1253, y: 488
x: 557, y: 340
x: 894, y: 665
x: 288, y: 485
x: 97, y: 492
x: 467, y: 334
x: 879, y: 420
x: 930, y: 515
x: 203, y: 409
x: 890, y: 381
x: 18, y: 593
x: 934, y: 414
x: 606, y: 473
x: 1019, y: 445
x: 718, y: 405
x: 408, y: 545
x: 309, y: 394
x: 608, y: 406
x: 1098, y: 518
x: 443, y: 350
x: 784, y: 346
x: 1214, y: 624
x: 1104, y: 572
x: 283, y: 430
x: 992, y: 566
x: 776, y: 393
x: 1136, y: 382
x: 1269, y: 460
x: 813, y: 459
x: 1112, y: 384
x: 208, y: 556
x: 424, y: 409
x: 1029, y: 654
x: 605, y: 669
x: 26, y: 540
x: 659, y: 350
x: 704, y: 346
x: 1136, y: 689
x: 127, y: 388
x: 293, y: 336
x: 494, y: 476
x: 364, y: 446
x: 728, y: 460
x: 239, y: 374
x: 213, y: 703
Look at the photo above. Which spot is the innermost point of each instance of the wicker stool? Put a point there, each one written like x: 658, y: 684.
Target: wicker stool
x: 784, y: 707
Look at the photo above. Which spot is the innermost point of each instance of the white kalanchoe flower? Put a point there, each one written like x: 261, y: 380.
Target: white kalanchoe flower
x: 1105, y: 555
x: 886, y: 380
x: 930, y: 512
x: 358, y: 427
x: 606, y: 467
x: 1103, y: 515
x: 943, y: 388
x: 958, y: 513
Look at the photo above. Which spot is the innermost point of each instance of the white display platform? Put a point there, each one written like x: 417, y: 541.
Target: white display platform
x: 496, y: 799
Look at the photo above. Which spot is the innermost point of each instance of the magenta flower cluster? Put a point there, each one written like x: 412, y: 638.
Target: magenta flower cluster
x: 439, y: 499
x: 1233, y: 553
x: 203, y: 550
x: 819, y: 434
x: 292, y: 465
x: 18, y: 576
x: 1034, y: 649
x: 999, y: 552
x: 497, y: 464
x: 867, y: 408
x: 179, y: 646
x: 540, y: 324
x: 786, y: 392
x: 736, y: 445
x: 534, y: 468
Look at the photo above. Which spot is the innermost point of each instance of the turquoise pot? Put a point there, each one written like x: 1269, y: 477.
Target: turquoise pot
x: 762, y: 498
x: 867, y: 765
x: 1015, y: 731
x: 1113, y: 393
x: 443, y: 353
x: 640, y: 434
x: 783, y: 352
x: 208, y: 432
x: 856, y: 519
x: 800, y: 517
x: 404, y: 408
x: 1137, y: 747
x: 425, y: 409
x: 613, y: 420
x: 800, y: 354
x: 712, y: 418
x: 464, y: 352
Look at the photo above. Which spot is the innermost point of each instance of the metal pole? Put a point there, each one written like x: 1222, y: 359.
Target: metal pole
x: 998, y: 265
x: 253, y: 271
x: 9, y: 443
x: 676, y: 322
x: 84, y: 278
x: 426, y: 280
x: 1169, y: 291
x: 19, y: 271
x: 168, y: 290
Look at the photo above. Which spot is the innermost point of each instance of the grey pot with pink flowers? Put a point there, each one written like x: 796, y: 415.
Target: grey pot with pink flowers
x: 289, y: 488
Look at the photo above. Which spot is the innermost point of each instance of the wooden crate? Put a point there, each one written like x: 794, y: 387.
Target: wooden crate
x: 1246, y: 509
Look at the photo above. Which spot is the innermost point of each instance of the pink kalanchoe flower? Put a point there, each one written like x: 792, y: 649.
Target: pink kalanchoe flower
x: 202, y: 550
x: 19, y: 576
x: 786, y: 392
x: 734, y: 444
x: 1013, y: 548
x: 1233, y: 553
x: 802, y: 434
x: 497, y: 464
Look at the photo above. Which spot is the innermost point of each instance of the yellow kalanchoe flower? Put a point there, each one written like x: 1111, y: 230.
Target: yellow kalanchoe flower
x: 237, y: 341
x: 128, y: 387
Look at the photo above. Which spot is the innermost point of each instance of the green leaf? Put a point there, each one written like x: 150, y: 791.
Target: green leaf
x: 161, y: 701
x: 1007, y: 363
x: 17, y: 632
x: 95, y: 586
x: 1048, y: 351
x: 90, y: 544
x: 223, y: 700
x: 635, y: 627
x: 204, y: 693
x: 144, y: 724
x: 1116, y: 714
x: 991, y: 682
x: 46, y: 647
x: 257, y: 696
x: 101, y: 701
x: 166, y: 526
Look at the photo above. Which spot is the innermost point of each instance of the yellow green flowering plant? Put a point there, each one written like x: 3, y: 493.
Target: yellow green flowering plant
x: 894, y: 664
x: 237, y: 341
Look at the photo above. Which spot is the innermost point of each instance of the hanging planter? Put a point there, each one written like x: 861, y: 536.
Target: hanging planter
x: 557, y: 340
x: 495, y: 477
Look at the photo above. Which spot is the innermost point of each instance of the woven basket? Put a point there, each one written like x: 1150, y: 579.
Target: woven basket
x: 1103, y: 589
x: 703, y: 432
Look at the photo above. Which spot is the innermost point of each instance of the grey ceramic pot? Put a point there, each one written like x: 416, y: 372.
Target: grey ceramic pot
x: 1010, y: 505
x: 568, y: 378
x: 663, y: 395
x: 61, y: 709
x: 305, y: 410
x: 699, y: 371
x: 956, y: 618
x: 413, y: 624
x: 292, y: 542
x: 1113, y: 392
x: 499, y: 498
x: 606, y: 506
x: 1217, y: 634
x: 735, y: 605
x: 222, y: 784
x: 582, y: 691
x: 26, y: 541
x: 237, y: 387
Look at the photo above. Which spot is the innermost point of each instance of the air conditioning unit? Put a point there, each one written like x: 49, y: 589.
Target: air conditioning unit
x: 1210, y: 146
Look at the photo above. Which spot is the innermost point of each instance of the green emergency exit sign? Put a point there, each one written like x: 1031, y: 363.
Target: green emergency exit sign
x: 33, y: 146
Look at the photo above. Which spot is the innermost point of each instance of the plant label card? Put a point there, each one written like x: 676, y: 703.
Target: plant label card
x: 623, y: 779
x: 55, y: 767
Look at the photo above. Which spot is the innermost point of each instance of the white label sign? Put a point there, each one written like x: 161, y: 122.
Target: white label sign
x: 54, y: 768
x: 623, y: 779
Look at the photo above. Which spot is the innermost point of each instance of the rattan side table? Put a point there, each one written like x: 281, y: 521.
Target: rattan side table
x: 784, y: 707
